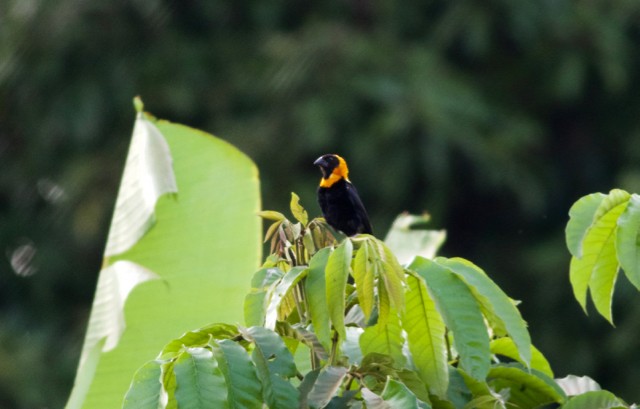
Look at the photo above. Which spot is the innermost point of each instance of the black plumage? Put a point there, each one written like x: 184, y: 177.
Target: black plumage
x: 339, y: 201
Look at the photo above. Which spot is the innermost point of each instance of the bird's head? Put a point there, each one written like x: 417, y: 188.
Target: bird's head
x: 333, y: 168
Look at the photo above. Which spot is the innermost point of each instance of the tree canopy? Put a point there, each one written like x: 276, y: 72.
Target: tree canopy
x: 493, y: 116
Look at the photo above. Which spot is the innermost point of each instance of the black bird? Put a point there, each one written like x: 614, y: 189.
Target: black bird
x: 338, y: 198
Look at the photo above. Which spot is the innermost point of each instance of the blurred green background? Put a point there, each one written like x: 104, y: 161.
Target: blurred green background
x: 494, y: 116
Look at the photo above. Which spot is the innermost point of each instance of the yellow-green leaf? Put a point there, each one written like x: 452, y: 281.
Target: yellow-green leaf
x: 337, y: 272
x: 297, y: 210
x: 597, y: 269
x: 364, y: 276
x: 426, y: 337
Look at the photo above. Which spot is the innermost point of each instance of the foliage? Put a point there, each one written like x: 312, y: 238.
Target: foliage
x: 433, y: 333
x: 602, y: 236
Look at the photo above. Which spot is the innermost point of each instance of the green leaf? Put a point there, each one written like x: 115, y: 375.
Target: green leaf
x: 628, y: 240
x: 145, y: 390
x: 581, y: 217
x: 298, y: 211
x: 598, y: 267
x: 199, y: 381
x: 407, y: 239
x: 417, y: 386
x: 384, y: 303
x: 461, y: 314
x: 528, y: 388
x: 459, y: 393
x: 385, y: 339
x: 506, y: 347
x: 392, y: 274
x: 315, y: 290
x: 326, y: 386
x: 244, y: 388
x: 595, y: 400
x: 373, y: 401
x: 271, y: 215
x: 374, y: 370
x: 270, y: 347
x: 200, y: 247
x: 397, y: 395
x: 301, y: 334
x: 256, y: 302
x: 364, y: 276
x: 290, y: 279
x: 169, y: 384
x: 426, y: 336
x: 274, y: 363
x: 305, y: 387
x: 493, y: 299
x: 336, y: 272
x: 199, y: 338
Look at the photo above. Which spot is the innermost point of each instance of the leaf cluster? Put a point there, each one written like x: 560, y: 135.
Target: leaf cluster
x: 347, y: 326
x: 603, y: 235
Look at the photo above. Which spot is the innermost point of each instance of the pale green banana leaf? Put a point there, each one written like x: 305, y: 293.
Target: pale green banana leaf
x: 172, y: 262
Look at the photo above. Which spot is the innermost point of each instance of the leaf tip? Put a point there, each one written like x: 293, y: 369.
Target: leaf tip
x: 138, y: 104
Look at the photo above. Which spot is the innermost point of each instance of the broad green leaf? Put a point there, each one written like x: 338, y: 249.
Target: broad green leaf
x: 199, y: 338
x: 598, y: 267
x: 284, y: 286
x: 274, y: 363
x: 336, y: 273
x: 315, y: 290
x: 482, y: 395
x: 298, y: 211
x: 364, y: 276
x: 326, y: 385
x: 581, y: 216
x: 628, y: 240
x: 426, y: 336
x: 489, y: 295
x: 256, y: 302
x: 199, y: 381
x: 595, y: 400
x: 461, y: 314
x: 270, y: 347
x: 392, y: 274
x: 458, y: 394
x: 416, y: 385
x: 577, y: 385
x: 244, y: 388
x: 506, y: 347
x: 408, y: 239
x: 201, y: 247
x: 529, y: 388
x: 385, y: 339
x: 146, y: 389
x: 397, y: 395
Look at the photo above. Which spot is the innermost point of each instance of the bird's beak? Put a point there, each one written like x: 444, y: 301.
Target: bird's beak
x: 321, y: 162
